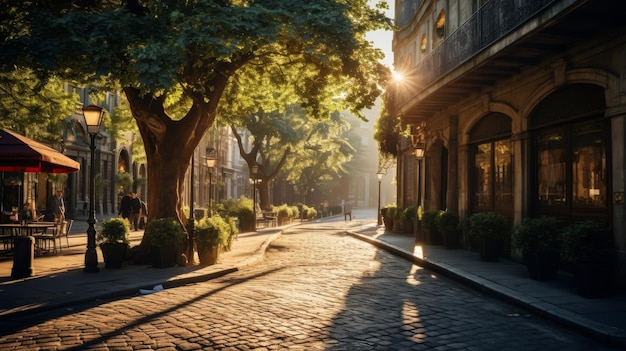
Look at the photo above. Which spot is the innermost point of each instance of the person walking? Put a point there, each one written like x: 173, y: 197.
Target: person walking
x: 125, y: 206
x: 135, y: 210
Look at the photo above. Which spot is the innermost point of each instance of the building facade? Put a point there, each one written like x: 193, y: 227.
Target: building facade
x: 520, y: 107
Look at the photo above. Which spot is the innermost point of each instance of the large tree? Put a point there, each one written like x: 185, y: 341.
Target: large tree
x: 187, y: 51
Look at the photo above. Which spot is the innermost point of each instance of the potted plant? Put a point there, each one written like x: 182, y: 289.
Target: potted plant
x: 113, y: 241
x: 539, y: 240
x: 408, y: 218
x: 489, y: 229
x: 448, y: 224
x: 429, y: 226
x: 388, y: 213
x: 212, y: 235
x: 590, y: 247
x: 166, y: 238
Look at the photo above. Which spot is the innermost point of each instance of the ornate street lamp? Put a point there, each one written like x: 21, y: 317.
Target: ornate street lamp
x: 210, y: 163
x: 379, y: 175
x: 254, y: 170
x: 93, y: 119
x: 418, y: 146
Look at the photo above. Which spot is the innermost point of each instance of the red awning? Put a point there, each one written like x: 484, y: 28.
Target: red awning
x: 21, y: 154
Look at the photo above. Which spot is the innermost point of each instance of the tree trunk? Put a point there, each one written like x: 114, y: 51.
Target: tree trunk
x: 264, y: 194
x: 169, y: 145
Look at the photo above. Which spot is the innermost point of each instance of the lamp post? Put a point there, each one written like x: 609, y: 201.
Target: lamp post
x: 192, y: 210
x: 93, y: 119
x: 210, y: 163
x: 254, y: 170
x: 418, y: 146
x: 379, y: 175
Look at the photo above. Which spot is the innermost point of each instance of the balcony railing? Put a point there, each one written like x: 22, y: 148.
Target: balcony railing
x: 495, y: 19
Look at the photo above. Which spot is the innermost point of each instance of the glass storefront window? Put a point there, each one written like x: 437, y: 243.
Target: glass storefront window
x: 503, y: 180
x: 493, y: 176
x: 552, y: 183
x: 588, y: 167
x: 482, y: 171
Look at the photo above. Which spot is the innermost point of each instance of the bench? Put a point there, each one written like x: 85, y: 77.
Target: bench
x: 265, y: 219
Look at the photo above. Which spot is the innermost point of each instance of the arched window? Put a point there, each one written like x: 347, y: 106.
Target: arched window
x: 491, y: 170
x: 440, y: 24
x: 570, y: 143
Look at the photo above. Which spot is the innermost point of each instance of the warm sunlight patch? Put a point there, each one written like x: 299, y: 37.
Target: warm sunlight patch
x: 410, y: 279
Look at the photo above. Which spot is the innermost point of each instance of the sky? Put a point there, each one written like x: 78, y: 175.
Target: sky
x: 382, y: 39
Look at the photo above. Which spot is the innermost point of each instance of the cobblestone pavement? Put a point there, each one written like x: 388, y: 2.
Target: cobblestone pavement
x: 317, y: 289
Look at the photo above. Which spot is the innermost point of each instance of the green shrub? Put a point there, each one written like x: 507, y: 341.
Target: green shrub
x: 214, y: 230
x: 164, y: 232
x: 409, y: 213
x: 447, y: 220
x: 587, y: 242
x: 114, y: 230
x: 428, y: 219
x: 537, y: 234
x: 488, y: 225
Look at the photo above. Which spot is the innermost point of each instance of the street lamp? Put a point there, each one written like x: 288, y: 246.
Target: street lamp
x: 210, y: 163
x: 93, y: 119
x: 418, y: 147
x: 254, y: 170
x: 379, y: 175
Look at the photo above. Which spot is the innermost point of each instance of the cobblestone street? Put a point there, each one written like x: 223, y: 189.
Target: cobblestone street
x: 316, y: 289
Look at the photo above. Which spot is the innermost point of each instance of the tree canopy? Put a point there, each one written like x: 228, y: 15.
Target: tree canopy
x: 189, y: 51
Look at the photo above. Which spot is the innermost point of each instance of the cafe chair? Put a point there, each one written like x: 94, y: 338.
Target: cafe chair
x: 66, y: 232
x: 46, y: 242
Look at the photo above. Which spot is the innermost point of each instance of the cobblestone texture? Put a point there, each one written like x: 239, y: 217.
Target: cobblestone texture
x: 317, y: 289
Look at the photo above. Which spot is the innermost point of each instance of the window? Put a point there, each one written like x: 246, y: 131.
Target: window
x: 571, y: 166
x: 440, y: 25
x: 423, y: 43
x: 492, y: 164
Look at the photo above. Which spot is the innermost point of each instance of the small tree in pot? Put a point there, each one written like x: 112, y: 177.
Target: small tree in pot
x: 212, y: 236
x: 448, y: 224
x: 540, y: 241
x: 166, y: 238
x: 113, y: 241
x: 489, y: 229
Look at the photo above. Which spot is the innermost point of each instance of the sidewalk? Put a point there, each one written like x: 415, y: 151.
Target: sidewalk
x: 59, y: 281
x: 602, y: 319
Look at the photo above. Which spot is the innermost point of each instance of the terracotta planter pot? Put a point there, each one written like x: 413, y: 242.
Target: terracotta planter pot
x: 208, y: 254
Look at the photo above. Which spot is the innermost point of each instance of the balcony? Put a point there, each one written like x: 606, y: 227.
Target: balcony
x: 498, y: 42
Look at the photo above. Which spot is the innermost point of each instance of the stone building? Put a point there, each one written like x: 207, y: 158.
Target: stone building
x: 519, y: 106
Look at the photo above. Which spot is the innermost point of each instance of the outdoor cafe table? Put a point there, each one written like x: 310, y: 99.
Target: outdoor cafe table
x: 10, y: 230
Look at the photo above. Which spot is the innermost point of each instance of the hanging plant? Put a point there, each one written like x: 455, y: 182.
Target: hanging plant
x: 387, y: 133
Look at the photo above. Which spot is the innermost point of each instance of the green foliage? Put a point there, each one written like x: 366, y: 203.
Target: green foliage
x: 390, y: 211
x: 447, y: 220
x: 588, y: 242
x: 311, y: 213
x: 488, y: 225
x: 164, y: 232
x: 114, y: 230
x: 537, y: 234
x: 34, y: 108
x: 215, y: 230
x: 387, y: 132
x: 124, y: 183
x: 428, y: 219
x: 409, y: 213
x: 282, y: 212
x: 175, y: 60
